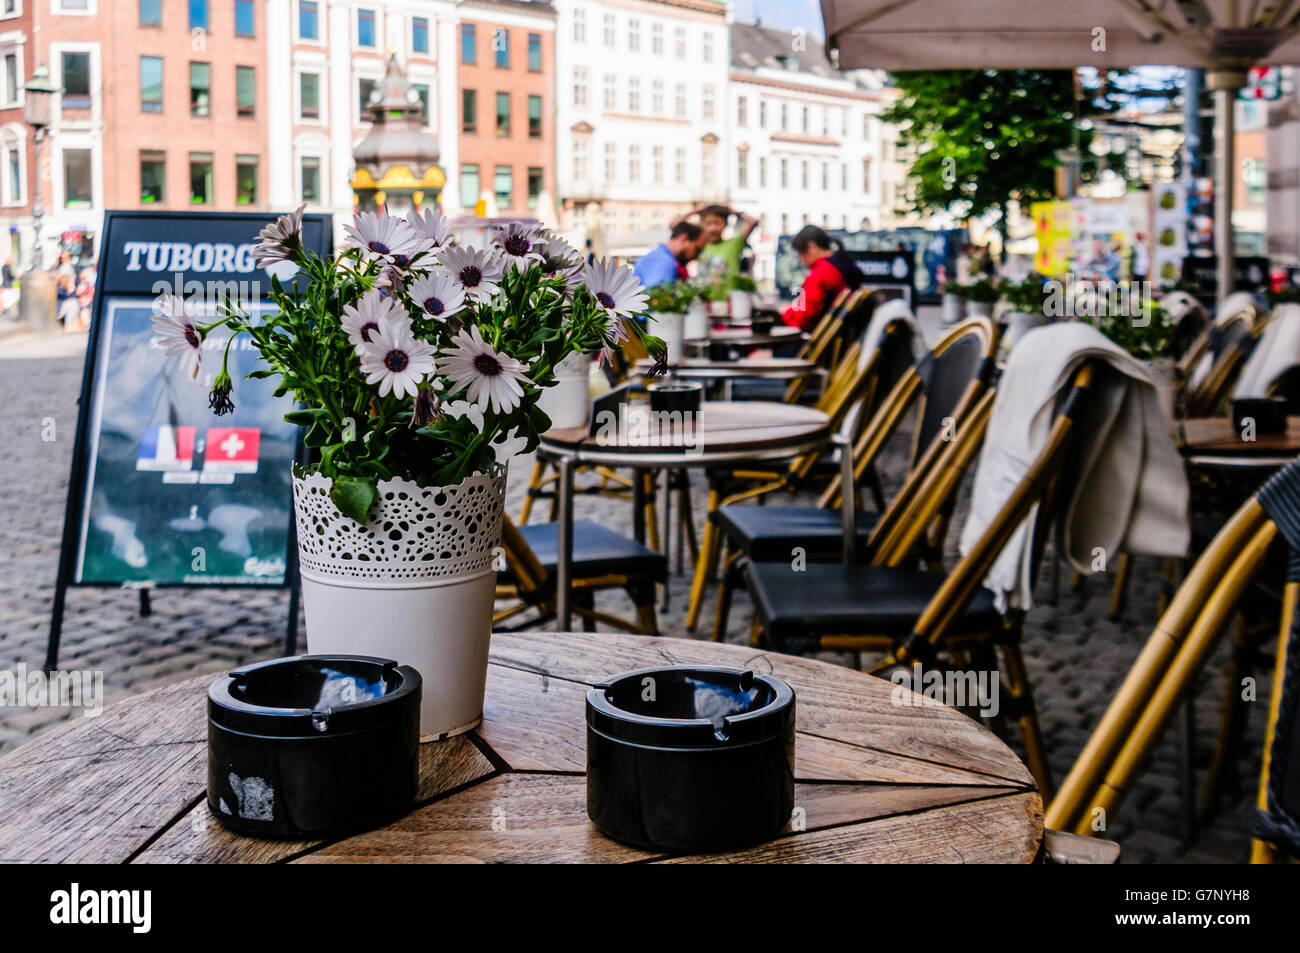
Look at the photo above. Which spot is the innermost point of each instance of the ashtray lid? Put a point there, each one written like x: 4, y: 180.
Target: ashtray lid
x: 691, y: 706
x: 313, y: 695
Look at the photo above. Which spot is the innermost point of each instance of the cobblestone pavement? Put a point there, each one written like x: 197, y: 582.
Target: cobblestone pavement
x: 1077, y: 656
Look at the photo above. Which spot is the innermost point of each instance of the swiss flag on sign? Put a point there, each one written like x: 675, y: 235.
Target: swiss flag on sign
x: 232, y: 450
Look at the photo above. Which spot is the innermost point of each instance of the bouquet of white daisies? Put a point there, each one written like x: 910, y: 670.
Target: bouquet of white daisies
x: 411, y: 356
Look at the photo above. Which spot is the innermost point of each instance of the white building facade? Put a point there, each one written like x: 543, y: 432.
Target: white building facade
x: 642, y: 116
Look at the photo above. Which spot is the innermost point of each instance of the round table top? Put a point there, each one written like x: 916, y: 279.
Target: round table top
x: 1215, y: 442
x: 701, y: 368
x: 743, y: 335
x: 876, y: 781
x: 754, y: 429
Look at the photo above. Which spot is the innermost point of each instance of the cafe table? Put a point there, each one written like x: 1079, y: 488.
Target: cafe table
x: 748, y: 368
x: 878, y: 778
x: 1214, y: 443
x: 723, y: 434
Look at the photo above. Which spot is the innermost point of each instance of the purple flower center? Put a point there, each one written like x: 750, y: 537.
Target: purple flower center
x: 379, y: 248
x: 518, y: 245
x: 487, y: 365
x: 401, y: 261
x: 192, y: 337
x: 470, y: 276
x: 605, y: 298
x: 366, y: 329
x: 396, y: 361
x: 434, y: 305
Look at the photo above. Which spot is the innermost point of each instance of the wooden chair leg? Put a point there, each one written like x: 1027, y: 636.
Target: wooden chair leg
x: 1119, y: 595
x: 643, y: 597
x: 539, y: 471
x: 651, y: 516
x: 756, y: 632
x: 730, y: 575
x: 587, y: 601
x: 704, y: 566
x: 1027, y: 717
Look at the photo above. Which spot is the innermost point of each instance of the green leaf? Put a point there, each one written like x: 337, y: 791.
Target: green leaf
x: 353, y: 497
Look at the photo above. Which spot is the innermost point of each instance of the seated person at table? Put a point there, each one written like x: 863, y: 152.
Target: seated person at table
x: 830, y: 272
x: 721, y: 258
x: 668, y: 261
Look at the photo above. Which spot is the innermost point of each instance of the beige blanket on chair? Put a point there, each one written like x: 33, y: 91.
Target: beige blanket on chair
x: 1128, y: 491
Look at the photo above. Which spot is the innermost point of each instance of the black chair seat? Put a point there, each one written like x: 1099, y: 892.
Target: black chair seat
x: 758, y: 388
x: 833, y: 599
x: 770, y: 533
x: 597, y: 551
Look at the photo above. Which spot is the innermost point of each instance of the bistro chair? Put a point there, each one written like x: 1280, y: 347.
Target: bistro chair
x: 850, y: 393
x: 946, y: 384
x: 602, y: 560
x: 1176, y: 653
x: 1212, y: 367
x: 915, y: 615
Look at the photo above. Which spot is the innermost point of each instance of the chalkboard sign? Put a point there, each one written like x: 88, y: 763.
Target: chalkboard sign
x: 162, y: 492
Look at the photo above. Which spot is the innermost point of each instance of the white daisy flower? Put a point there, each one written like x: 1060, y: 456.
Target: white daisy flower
x: 615, y: 287
x: 518, y: 246
x: 476, y: 271
x: 507, y: 446
x: 463, y: 408
x: 280, y: 239
x: 175, y: 321
x: 396, y: 359
x: 561, y: 260
x: 372, y: 312
x: 430, y: 225
x: 492, y: 378
x: 437, y: 294
x: 382, y: 237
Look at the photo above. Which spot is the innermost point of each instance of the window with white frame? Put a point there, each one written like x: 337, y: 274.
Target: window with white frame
x: 581, y: 157
x: 762, y: 172
x: 10, y: 8
x: 657, y: 98
x: 12, y: 77
x: 742, y: 169
x: 580, y: 87
x: 13, y: 167
x: 611, y: 161
x: 707, y: 101
x: 78, y: 182
x: 679, y: 42
x: 633, y: 35
x: 657, y: 39
x: 579, y: 25
x: 707, y: 49
x: 708, y: 164
x: 679, y: 101
x: 634, y: 163
x: 657, y: 156
x: 680, y: 165
x: 309, y: 186
x: 634, y: 94
x: 742, y: 112
x: 611, y: 92
x: 609, y: 31
x: 79, y: 7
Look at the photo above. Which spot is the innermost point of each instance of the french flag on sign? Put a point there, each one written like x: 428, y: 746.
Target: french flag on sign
x: 232, y: 450
x: 165, y: 447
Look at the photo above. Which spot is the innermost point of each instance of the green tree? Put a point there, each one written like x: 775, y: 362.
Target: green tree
x: 979, y: 138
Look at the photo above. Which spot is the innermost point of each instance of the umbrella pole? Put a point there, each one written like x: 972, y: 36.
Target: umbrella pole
x: 1225, y: 84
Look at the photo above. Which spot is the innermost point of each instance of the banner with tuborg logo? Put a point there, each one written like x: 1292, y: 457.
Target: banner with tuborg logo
x: 164, y: 493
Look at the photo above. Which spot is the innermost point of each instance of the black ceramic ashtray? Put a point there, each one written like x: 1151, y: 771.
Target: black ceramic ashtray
x: 690, y: 758
x: 675, y: 396
x: 762, y: 322
x: 313, y: 744
x: 1268, y: 413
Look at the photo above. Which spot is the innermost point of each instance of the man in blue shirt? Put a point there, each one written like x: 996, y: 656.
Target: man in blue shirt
x: 668, y: 261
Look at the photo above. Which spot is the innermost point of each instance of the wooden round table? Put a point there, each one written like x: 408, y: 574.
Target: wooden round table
x: 1213, y: 442
x: 875, y: 781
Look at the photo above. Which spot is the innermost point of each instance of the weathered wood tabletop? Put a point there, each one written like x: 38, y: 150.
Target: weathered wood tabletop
x: 876, y: 781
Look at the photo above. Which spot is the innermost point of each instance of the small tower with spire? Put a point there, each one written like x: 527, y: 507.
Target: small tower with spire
x: 397, y: 162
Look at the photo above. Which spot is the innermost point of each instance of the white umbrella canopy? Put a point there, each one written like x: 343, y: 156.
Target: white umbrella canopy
x: 1222, y: 36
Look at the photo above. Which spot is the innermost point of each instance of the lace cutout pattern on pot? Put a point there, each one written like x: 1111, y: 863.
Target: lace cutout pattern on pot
x: 414, y: 532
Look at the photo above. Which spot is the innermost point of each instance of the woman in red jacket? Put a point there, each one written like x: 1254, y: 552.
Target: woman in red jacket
x: 830, y: 272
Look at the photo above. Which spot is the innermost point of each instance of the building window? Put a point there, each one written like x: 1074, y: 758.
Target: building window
x: 634, y: 94
x: 611, y: 156
x: 706, y: 102
x: 244, y: 18
x: 469, y: 186
x: 245, y: 91
x: 579, y: 25
x: 580, y: 88
x: 609, y: 32
x: 198, y: 14
x: 742, y: 112
x: 309, y: 95
x: 469, y: 51
x: 657, y: 39
x: 581, y: 157
x: 419, y: 34
x: 76, y: 80
x: 77, y: 188
x: 200, y: 178
x: 785, y: 117
x: 153, y: 178
x: 501, y: 47
x: 866, y: 175
x: 657, y: 164
x: 866, y: 125
x: 534, y: 186
x: 742, y: 170
x: 534, y: 52
x: 679, y: 42
x: 844, y: 176
x: 633, y: 34
x: 826, y: 176
x: 366, y: 28
x: 634, y: 164
x: 803, y: 174
x: 534, y: 117
x: 308, y: 20
x: 10, y: 92
x: 611, y: 91
x: 469, y: 111
x: 365, y: 89
x: 13, y: 168
x: 708, y: 165
x: 680, y: 165
x: 151, y: 84
x: 200, y: 89
x: 785, y: 173
x: 762, y: 114
x: 657, y: 98
x: 310, y: 179
x: 762, y: 172
x: 806, y: 119
x: 503, y: 114
x: 150, y: 12
x: 708, y: 48
x: 679, y: 101
x: 245, y: 180
x: 503, y: 185
x: 422, y: 91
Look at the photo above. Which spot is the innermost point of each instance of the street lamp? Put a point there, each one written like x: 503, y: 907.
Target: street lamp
x: 36, y: 306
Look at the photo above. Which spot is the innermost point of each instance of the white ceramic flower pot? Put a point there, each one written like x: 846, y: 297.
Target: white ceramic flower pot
x: 954, y: 308
x: 672, y: 328
x: 697, y: 320
x: 416, y: 583
x: 568, y: 402
x: 742, y: 305
x: 1020, y: 323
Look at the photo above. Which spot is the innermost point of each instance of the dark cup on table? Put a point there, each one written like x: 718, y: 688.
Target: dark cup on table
x: 1267, y: 413
x: 763, y: 321
x: 676, y: 396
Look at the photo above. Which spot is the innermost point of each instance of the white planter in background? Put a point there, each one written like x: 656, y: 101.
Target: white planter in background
x: 697, y: 320
x: 954, y: 308
x: 568, y: 402
x: 742, y: 305
x: 416, y: 584
x: 979, y: 309
x: 672, y: 328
